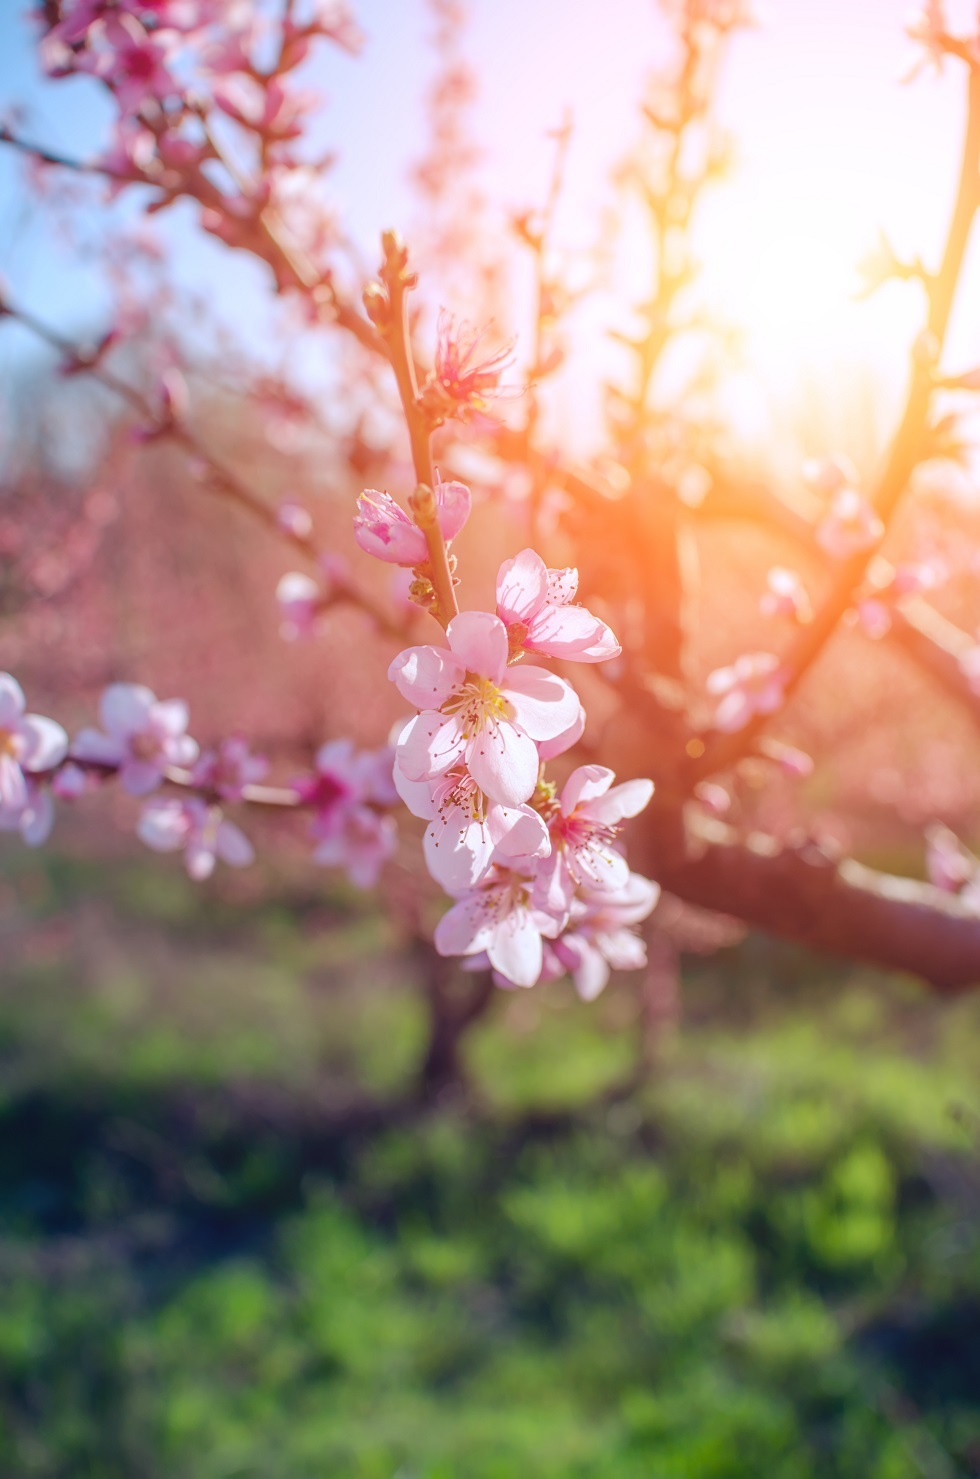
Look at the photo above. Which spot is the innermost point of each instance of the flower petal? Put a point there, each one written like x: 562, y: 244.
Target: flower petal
x: 522, y: 587
x: 573, y: 633
x: 426, y: 676
x: 504, y: 763
x: 625, y: 800
x: 479, y: 641
x: 457, y: 850
x: 92, y: 744
x: 544, y: 704
x: 515, y: 949
x: 453, y: 502
x: 586, y: 783
x: 46, y: 743
x: 233, y: 846
x: 13, y: 787
x: 125, y: 708
x: 12, y: 701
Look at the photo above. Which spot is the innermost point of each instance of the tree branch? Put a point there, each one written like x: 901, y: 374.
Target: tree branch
x: 802, y: 894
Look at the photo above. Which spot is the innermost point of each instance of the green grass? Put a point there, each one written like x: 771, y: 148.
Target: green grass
x: 766, y: 1264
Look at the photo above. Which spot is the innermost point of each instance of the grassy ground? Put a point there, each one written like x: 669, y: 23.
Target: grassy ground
x: 212, y: 1264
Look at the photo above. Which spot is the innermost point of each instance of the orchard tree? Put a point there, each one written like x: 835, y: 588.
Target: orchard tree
x: 524, y: 800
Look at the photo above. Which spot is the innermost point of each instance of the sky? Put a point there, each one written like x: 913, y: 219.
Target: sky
x: 831, y: 146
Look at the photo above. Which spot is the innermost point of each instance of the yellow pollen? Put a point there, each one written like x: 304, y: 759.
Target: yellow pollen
x: 8, y: 743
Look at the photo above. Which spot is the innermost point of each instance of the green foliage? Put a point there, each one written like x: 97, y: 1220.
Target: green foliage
x: 767, y: 1264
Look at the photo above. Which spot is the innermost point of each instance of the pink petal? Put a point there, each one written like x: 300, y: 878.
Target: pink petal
x: 453, y: 503
x: 464, y: 929
x: 597, y: 867
x: 170, y: 717
x: 545, y: 705
x: 13, y: 787
x: 125, y: 708
x: 426, y: 676
x: 479, y: 643
x: 626, y: 800
x: 623, y: 950
x: 37, y: 818
x: 417, y: 795
x: 46, y: 742
x: 591, y: 975
x: 548, y: 749
x: 585, y: 784
x: 504, y: 763
x: 515, y: 949
x: 384, y: 530
x: 163, y: 825
x: 233, y: 846
x: 522, y: 587
x: 457, y: 851
x: 11, y: 701
x: 518, y: 832
x: 92, y: 744
x: 573, y: 633
x: 428, y: 750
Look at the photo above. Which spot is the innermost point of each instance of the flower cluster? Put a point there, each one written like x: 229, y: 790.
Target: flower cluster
x: 538, y: 881
x: 143, y: 745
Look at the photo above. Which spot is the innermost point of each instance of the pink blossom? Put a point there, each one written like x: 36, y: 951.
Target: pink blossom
x: 849, y: 526
x: 584, y: 826
x: 500, y: 918
x: 600, y: 939
x: 142, y: 737
x: 752, y: 685
x: 300, y: 601
x: 465, y: 380
x: 229, y: 769
x: 467, y: 832
x: 534, y: 603
x: 489, y: 716
x: 786, y: 596
x: 293, y: 519
x: 171, y: 823
x: 549, y: 749
x: 384, y: 530
x: 134, y: 63
x: 34, y: 819
x: 29, y: 743
x: 349, y: 830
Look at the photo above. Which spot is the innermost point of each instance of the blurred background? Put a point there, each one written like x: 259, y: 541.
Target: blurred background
x: 723, y: 1222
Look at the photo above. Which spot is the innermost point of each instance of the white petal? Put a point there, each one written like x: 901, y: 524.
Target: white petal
x: 11, y: 701
x: 46, y: 742
x: 426, y: 676
x: 233, y: 846
x: 479, y: 641
x: 504, y: 763
x: 544, y: 704
x: 522, y: 587
x: 515, y: 949
x: 125, y: 708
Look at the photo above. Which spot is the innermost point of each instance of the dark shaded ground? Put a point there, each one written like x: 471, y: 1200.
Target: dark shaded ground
x: 216, y: 1262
